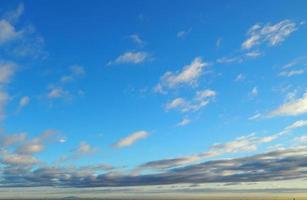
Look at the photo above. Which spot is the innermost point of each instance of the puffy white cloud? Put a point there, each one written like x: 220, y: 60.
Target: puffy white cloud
x: 131, y: 57
x: 270, y: 34
x: 292, y: 108
x: 131, y: 139
x: 187, y: 76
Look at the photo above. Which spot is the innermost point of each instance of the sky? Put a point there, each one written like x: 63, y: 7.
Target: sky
x: 153, y: 97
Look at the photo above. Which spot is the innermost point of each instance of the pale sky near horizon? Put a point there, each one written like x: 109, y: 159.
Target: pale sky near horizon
x: 201, y: 97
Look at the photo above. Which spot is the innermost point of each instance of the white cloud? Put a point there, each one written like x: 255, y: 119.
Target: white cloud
x: 18, y: 159
x: 238, y: 58
x: 254, y: 91
x: 14, y: 15
x: 292, y: 72
x: 184, y: 122
x: 24, y: 101
x: 188, y: 75
x: 7, y: 32
x: 131, y: 57
x: 76, y: 71
x: 240, y: 77
x: 4, y: 98
x: 254, y: 117
x: 7, y: 70
x: 56, y: 92
x: 201, y: 99
x: 218, y: 42
x: 36, y: 144
x: 301, y: 139
x: 130, y: 139
x: 175, y: 103
x: 85, y: 148
x: 297, y: 124
x: 137, y: 39
x: 292, y: 108
x: 270, y: 34
x: 12, y: 139
x: 183, y: 33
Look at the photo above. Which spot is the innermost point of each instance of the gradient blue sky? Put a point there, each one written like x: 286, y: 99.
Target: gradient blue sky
x: 149, y: 88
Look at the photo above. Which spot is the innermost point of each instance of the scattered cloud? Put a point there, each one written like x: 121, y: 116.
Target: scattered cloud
x: 254, y: 117
x: 36, y: 144
x: 254, y: 91
x: 184, y: 33
x: 131, y: 57
x: 270, y: 34
x: 201, y: 99
x: 7, y: 70
x: 297, y: 124
x: 24, y: 101
x: 12, y: 139
x: 218, y: 42
x: 239, y: 58
x: 131, y: 139
x: 21, y: 42
x: 56, y: 92
x: 292, y: 108
x: 290, y: 73
x: 189, y: 75
x: 7, y: 32
x: 75, y: 71
x: 240, y: 77
x: 184, y: 122
x: 137, y: 39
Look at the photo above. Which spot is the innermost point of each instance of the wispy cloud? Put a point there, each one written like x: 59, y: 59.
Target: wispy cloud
x: 189, y: 75
x: 239, y: 58
x: 24, y: 101
x: 254, y: 91
x: 183, y: 122
x: 292, y: 108
x: 290, y: 73
x: 137, y: 39
x: 201, y: 99
x: 184, y: 33
x: 271, y: 34
x: 131, y: 139
x: 255, y: 116
x: 131, y: 57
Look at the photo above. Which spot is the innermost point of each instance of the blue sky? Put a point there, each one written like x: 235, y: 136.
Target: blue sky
x: 128, y: 93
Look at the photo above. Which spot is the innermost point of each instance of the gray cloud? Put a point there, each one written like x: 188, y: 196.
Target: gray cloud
x: 271, y: 166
